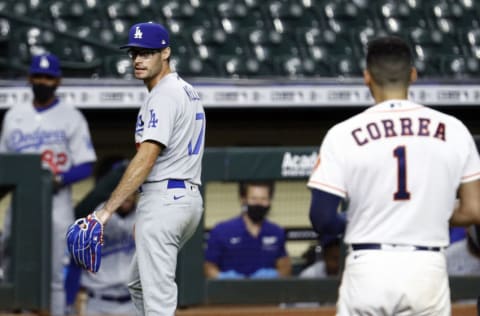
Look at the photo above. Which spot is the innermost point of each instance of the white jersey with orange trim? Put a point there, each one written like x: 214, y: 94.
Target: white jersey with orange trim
x: 370, y: 158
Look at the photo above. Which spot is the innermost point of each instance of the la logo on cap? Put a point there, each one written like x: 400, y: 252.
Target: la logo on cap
x: 138, y: 33
x: 44, y: 62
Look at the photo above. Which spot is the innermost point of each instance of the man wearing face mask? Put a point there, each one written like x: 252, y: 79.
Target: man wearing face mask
x: 249, y: 245
x: 59, y: 133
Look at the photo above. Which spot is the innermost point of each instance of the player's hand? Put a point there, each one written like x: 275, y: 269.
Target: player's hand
x: 265, y: 273
x: 230, y: 274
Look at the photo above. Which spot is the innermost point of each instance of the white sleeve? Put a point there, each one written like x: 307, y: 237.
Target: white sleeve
x: 329, y: 172
x: 471, y: 169
x: 80, y: 143
x: 3, y: 136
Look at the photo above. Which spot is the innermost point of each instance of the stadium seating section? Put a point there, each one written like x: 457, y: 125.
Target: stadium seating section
x: 242, y: 38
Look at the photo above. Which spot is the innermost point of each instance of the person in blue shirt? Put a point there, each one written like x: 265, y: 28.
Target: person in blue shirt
x: 248, y: 245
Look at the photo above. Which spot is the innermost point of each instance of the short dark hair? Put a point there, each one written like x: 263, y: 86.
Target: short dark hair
x: 243, y: 187
x: 389, y: 61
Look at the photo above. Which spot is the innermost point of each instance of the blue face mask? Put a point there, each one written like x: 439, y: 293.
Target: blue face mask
x: 257, y: 213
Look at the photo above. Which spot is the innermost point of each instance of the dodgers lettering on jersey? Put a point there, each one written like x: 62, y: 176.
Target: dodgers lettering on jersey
x: 398, y: 164
x: 173, y: 116
x: 60, y: 134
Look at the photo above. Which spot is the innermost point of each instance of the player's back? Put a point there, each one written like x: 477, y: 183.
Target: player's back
x: 404, y: 163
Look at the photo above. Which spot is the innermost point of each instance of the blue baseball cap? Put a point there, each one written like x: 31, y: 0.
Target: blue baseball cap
x: 45, y: 64
x: 148, y: 35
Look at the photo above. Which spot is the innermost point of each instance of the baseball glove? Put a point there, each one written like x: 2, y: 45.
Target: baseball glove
x: 84, y: 242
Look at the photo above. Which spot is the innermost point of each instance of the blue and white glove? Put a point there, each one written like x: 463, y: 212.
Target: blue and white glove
x: 84, y: 242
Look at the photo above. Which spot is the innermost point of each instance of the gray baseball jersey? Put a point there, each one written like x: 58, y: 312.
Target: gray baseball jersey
x: 173, y: 116
x: 60, y: 134
x: 170, y: 205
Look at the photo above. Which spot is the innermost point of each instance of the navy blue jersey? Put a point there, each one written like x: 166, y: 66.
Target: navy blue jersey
x: 232, y: 247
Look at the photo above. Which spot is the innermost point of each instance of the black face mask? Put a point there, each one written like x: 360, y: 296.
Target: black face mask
x: 42, y: 93
x: 257, y: 213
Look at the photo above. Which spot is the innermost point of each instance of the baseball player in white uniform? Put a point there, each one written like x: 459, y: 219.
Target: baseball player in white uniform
x: 170, y: 139
x: 60, y: 134
x: 399, y: 166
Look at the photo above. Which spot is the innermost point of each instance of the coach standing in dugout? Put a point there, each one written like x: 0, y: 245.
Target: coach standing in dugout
x: 60, y: 134
x: 166, y: 169
x: 399, y: 165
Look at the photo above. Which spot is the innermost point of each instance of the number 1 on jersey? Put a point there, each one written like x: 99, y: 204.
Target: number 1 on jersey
x: 402, y: 193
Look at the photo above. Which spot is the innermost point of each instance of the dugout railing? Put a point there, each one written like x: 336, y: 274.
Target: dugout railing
x: 26, y: 285
x: 234, y: 164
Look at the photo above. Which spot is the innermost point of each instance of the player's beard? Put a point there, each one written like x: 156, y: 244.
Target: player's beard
x: 42, y: 92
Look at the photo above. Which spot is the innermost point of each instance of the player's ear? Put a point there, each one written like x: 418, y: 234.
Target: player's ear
x: 413, y: 75
x: 367, y: 78
x: 166, y: 53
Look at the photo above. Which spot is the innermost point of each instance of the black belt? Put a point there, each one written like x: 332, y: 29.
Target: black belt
x: 110, y: 298
x: 393, y: 246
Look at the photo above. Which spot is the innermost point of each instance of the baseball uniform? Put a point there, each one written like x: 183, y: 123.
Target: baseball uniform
x: 398, y: 164
x: 232, y: 247
x: 107, y: 289
x: 170, y: 205
x: 60, y: 134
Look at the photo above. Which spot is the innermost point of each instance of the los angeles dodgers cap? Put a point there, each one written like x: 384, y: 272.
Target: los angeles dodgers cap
x: 45, y: 64
x: 148, y: 35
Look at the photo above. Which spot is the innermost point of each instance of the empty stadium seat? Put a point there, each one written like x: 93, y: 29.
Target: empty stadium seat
x: 247, y: 38
x: 398, y: 16
x: 290, y: 15
x: 460, y: 67
x: 188, y: 16
x: 236, y: 15
x: 447, y: 16
x: 343, y: 16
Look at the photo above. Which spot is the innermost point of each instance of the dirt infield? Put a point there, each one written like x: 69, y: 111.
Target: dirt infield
x: 457, y: 310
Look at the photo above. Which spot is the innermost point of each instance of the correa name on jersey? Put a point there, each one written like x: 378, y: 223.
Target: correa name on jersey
x: 404, y: 126
x: 19, y: 140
